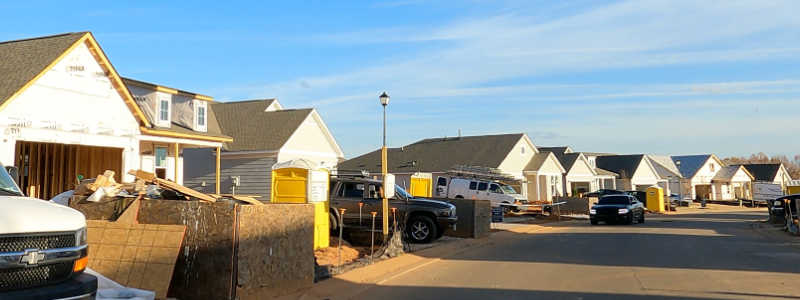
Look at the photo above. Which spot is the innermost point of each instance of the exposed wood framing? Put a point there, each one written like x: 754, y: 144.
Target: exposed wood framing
x: 217, y: 171
x: 48, y: 169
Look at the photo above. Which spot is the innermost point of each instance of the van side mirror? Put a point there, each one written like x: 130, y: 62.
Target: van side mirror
x: 14, y: 173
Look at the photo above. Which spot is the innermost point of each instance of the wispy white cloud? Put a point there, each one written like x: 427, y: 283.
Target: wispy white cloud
x: 501, y: 56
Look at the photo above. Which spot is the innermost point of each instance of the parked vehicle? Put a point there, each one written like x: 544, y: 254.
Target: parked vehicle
x: 43, y: 248
x: 617, y: 208
x: 425, y: 220
x: 641, y: 196
x: 778, y: 212
x: 498, y: 193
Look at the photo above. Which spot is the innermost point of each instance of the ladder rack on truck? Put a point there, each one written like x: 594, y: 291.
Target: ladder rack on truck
x: 476, y: 172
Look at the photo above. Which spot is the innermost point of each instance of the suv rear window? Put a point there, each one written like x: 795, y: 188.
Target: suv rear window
x: 614, y: 200
x: 473, y: 185
x: 483, y: 186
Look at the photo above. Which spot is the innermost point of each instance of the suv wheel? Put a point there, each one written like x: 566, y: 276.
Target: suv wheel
x: 334, y: 224
x: 421, y: 229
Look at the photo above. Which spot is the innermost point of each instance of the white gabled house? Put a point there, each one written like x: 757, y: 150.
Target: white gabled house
x: 733, y: 183
x: 697, y: 172
x: 635, y: 171
x: 65, y: 112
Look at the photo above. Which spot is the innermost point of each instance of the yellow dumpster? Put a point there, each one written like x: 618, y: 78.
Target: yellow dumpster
x: 655, y: 199
x: 420, y: 185
x: 301, y: 181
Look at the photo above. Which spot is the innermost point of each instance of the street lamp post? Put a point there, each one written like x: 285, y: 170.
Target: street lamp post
x: 384, y: 168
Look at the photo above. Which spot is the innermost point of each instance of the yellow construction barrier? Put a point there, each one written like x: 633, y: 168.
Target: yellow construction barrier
x: 420, y: 185
x: 300, y: 181
x: 655, y: 199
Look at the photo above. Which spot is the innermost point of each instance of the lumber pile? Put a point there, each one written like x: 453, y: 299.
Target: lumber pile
x: 151, y: 178
x: 104, y: 185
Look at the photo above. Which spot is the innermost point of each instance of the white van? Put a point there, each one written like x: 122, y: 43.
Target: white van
x: 468, y: 188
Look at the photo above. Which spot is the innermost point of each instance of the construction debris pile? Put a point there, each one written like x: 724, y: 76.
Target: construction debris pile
x: 147, y: 185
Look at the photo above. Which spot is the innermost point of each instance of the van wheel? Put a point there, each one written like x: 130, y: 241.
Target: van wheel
x: 459, y: 197
x: 421, y: 229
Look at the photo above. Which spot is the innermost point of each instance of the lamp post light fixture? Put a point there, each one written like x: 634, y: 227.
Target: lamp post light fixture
x: 384, y: 168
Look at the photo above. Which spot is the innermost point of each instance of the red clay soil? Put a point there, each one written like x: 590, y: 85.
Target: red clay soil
x: 330, y: 256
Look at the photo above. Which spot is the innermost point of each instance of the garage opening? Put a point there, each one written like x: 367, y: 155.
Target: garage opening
x: 580, y: 188
x: 48, y: 169
x: 703, y: 191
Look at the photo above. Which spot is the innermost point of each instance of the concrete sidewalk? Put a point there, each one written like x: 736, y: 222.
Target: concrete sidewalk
x: 355, y: 282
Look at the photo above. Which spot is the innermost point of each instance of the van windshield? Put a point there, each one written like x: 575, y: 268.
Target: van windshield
x: 7, y: 185
x: 507, y: 189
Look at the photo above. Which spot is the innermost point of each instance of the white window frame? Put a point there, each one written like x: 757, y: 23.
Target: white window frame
x: 197, y: 105
x: 159, y: 121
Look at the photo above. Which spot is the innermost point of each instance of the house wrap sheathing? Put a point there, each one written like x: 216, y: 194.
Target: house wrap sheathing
x: 65, y: 112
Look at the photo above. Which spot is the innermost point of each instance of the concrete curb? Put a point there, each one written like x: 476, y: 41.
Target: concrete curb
x: 354, y: 282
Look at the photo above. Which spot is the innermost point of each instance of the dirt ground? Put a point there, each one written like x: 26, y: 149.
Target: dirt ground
x: 330, y: 256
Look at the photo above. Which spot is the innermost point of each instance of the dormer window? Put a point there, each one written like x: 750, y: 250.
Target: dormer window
x: 163, y: 111
x: 200, y: 115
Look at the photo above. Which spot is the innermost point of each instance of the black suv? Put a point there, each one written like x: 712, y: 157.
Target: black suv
x: 425, y: 220
x: 617, y: 208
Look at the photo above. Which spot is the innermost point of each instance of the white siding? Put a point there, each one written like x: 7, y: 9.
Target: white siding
x: 518, y: 158
x: 311, y: 142
x: 643, y: 176
x: 73, y: 103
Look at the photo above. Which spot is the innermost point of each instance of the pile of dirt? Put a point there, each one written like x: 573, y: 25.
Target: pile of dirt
x: 330, y: 256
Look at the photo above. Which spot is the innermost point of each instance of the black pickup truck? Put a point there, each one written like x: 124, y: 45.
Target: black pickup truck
x: 617, y: 208
x: 424, y: 220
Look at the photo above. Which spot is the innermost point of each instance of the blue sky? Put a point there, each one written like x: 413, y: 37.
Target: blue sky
x: 665, y: 77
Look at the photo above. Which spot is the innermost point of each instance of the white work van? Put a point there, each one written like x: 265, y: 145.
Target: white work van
x: 43, y: 248
x: 499, y: 194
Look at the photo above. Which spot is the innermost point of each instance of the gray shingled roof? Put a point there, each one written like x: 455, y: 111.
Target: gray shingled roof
x: 690, y: 164
x: 624, y: 165
x: 536, y: 161
x: 439, y: 154
x: 254, y: 129
x: 664, y: 166
x: 22, y: 60
x: 763, y: 172
x: 727, y: 173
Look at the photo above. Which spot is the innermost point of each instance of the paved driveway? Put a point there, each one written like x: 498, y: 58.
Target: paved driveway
x: 703, y: 254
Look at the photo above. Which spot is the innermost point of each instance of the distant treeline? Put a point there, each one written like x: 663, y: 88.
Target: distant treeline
x: 792, y: 165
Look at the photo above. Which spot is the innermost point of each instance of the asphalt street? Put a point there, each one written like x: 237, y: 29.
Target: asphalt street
x: 705, y: 254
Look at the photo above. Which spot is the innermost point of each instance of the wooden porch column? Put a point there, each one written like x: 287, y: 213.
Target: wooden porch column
x: 177, y: 151
x: 217, y: 189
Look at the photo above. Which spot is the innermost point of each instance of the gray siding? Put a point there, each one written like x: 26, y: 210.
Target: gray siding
x: 255, y: 173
